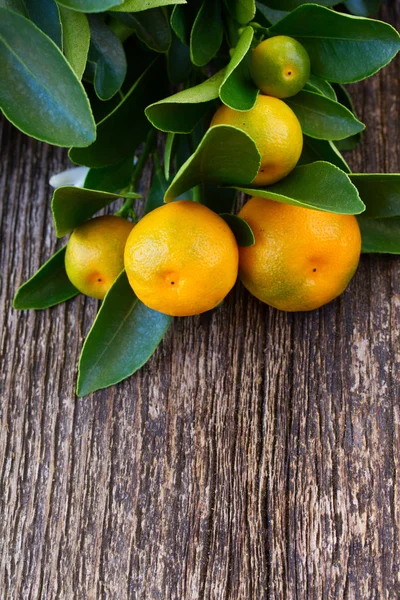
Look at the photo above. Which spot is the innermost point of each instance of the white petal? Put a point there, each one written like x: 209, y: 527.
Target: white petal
x: 75, y: 177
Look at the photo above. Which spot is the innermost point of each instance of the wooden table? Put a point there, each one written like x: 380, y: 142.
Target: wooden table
x: 255, y: 456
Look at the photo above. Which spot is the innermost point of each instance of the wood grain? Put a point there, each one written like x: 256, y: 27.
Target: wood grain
x: 256, y: 456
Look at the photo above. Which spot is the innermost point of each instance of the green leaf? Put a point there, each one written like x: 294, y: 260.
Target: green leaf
x: 181, y: 112
x: 380, y: 193
x: 123, y: 337
x: 45, y: 15
x: 49, y: 286
x: 151, y: 26
x: 17, y: 6
x: 225, y: 155
x: 72, y: 206
x: 179, y: 64
x: 45, y: 80
x: 113, y: 178
x: 89, y: 6
x: 207, y: 33
x: 320, y: 86
x: 218, y: 199
x: 322, y: 118
x: 241, y: 10
x: 120, y: 133
x: 182, y: 19
x: 320, y: 186
x: 237, y: 88
x: 271, y: 14
x: 344, y: 98
x: 316, y: 150
x: 139, y: 5
x: 157, y: 190
x: 363, y: 8
x: 75, y: 39
x: 108, y: 53
x: 342, y: 48
x: 288, y: 5
x: 167, y: 154
x: 380, y: 235
x: 241, y: 229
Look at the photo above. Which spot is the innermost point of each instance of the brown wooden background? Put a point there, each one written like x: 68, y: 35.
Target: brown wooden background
x: 256, y: 456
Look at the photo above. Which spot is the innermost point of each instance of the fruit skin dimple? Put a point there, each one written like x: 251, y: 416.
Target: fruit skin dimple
x: 276, y: 131
x: 95, y: 254
x: 280, y: 66
x: 302, y: 258
x: 181, y: 259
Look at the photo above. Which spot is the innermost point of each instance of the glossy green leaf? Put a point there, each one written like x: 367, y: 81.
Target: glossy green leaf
x: 113, y: 178
x: 45, y: 15
x: 119, y: 134
x: 45, y: 80
x: 363, y: 8
x: 342, y: 48
x: 139, y: 5
x: 151, y: 26
x: 241, y: 229
x: 237, y: 88
x: 207, y: 33
x: 322, y: 118
x: 320, y: 185
x: 181, y: 112
x: 316, y: 150
x: 157, y: 190
x: 182, y: 19
x: 320, y: 86
x: 380, y: 193
x: 48, y: 287
x: 271, y: 14
x: 241, y: 10
x: 179, y: 65
x: 72, y: 206
x: 380, y: 235
x: 344, y: 98
x: 17, y: 6
x: 288, y: 5
x: 123, y: 337
x: 225, y: 155
x: 75, y: 39
x: 107, y: 52
x: 168, y: 153
x: 89, y: 6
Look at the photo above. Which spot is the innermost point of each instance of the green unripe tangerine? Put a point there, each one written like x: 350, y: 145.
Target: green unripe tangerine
x: 280, y: 66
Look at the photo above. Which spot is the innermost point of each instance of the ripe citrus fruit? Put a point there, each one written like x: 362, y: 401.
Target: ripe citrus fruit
x: 276, y: 131
x: 181, y: 259
x: 302, y: 258
x: 280, y: 66
x: 95, y: 254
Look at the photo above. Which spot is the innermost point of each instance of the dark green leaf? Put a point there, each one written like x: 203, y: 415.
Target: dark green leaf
x: 320, y: 86
x: 288, y: 5
x: 181, y: 112
x: 45, y: 80
x: 237, y: 89
x: 75, y: 39
x: 345, y: 99
x: 207, y: 33
x: 342, y: 48
x: 363, y: 8
x: 225, y: 155
x: 45, y: 16
x: 158, y: 188
x: 167, y: 154
x: 17, y: 6
x: 322, y: 118
x: 72, y: 206
x: 49, y: 286
x: 241, y: 10
x: 139, y: 5
x: 316, y: 150
x: 182, y: 19
x: 271, y: 14
x: 219, y: 199
x: 380, y: 193
x: 151, y: 26
x: 320, y: 185
x: 89, y: 6
x: 107, y: 52
x: 123, y: 337
x: 380, y: 235
x: 178, y: 61
x: 120, y: 133
x: 241, y: 229
x: 110, y: 179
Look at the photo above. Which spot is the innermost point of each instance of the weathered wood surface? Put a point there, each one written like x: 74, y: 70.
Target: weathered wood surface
x: 256, y: 455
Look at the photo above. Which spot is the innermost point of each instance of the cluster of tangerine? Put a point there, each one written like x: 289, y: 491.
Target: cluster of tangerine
x: 182, y: 259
